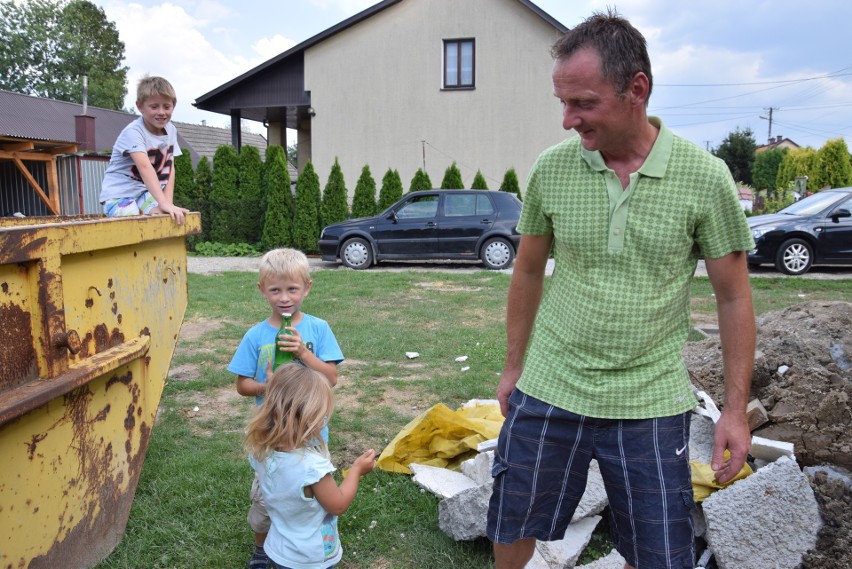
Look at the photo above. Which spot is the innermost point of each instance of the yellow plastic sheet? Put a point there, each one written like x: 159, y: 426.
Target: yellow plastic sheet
x: 442, y: 437
x: 704, y: 480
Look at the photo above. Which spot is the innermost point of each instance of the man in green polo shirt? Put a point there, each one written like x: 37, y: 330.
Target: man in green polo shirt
x: 593, y: 367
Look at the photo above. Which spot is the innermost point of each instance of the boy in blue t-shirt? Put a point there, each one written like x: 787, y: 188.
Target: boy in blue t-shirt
x: 284, y: 281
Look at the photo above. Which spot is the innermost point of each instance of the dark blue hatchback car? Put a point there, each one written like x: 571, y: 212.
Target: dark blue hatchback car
x: 430, y: 224
x: 816, y: 230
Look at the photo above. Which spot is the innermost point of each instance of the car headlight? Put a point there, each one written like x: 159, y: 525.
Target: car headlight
x: 761, y: 231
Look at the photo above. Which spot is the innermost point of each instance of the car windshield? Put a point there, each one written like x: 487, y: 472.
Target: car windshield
x: 813, y: 204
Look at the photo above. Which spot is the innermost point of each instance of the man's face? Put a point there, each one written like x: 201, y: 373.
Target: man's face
x: 156, y: 113
x: 590, y: 104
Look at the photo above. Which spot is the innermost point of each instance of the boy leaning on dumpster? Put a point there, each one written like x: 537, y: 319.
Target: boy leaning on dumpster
x: 140, y: 178
x: 284, y: 280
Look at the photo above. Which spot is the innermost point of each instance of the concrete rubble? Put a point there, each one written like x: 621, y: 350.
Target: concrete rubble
x: 769, y: 519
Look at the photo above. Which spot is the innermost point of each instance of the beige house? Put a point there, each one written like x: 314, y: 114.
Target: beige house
x: 410, y: 84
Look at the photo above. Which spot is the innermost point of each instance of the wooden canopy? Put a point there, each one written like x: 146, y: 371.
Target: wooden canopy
x: 20, y: 150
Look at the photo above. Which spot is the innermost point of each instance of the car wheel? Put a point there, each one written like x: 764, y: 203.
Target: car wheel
x: 356, y: 254
x: 795, y: 257
x: 497, y: 254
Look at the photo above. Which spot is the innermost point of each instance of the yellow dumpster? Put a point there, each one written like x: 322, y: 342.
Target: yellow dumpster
x: 90, y: 310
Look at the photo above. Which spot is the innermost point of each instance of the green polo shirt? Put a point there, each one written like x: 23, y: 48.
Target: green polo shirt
x: 614, y: 318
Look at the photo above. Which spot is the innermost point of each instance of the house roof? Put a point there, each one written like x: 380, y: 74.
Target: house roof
x: 206, y: 139
x: 213, y: 101
x: 777, y: 142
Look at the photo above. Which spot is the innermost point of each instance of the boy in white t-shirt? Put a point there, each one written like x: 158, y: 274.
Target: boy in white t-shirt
x: 140, y: 178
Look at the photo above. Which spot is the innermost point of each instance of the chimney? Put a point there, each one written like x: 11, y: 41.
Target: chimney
x: 203, y: 122
x: 84, y: 131
x: 778, y: 139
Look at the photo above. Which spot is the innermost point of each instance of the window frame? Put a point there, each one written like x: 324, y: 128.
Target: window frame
x: 457, y: 45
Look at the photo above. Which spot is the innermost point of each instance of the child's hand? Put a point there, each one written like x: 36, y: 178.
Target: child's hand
x: 177, y: 213
x: 365, y: 463
x: 292, y: 342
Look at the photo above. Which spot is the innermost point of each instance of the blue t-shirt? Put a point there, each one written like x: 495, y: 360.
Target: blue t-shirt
x: 257, y: 347
x: 302, y: 535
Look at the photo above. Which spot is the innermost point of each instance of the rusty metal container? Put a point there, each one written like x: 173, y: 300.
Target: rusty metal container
x: 90, y: 310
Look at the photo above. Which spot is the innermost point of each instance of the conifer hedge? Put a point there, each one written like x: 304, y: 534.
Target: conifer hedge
x: 420, y: 181
x: 391, y: 191
x: 510, y: 183
x: 452, y: 178
x: 280, y: 208
x: 364, y: 199
x: 249, y: 212
x: 334, y: 206
x: 479, y: 182
x: 224, y: 197
x: 307, y: 227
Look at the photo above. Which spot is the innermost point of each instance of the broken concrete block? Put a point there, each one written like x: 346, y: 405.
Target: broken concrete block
x: 757, y: 415
x: 701, y: 429
x: 440, y: 481
x: 565, y: 552
x: 594, y: 498
x: 769, y: 450
x: 485, y: 446
x: 463, y: 516
x: 777, y: 528
x: 478, y: 468
x: 612, y: 561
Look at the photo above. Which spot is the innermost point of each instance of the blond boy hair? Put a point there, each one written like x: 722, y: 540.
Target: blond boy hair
x: 284, y: 263
x: 150, y: 86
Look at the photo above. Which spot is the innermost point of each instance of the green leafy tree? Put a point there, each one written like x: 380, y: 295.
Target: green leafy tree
x: 251, y: 194
x: 293, y: 154
x: 280, y: 207
x: 510, y: 183
x: 452, y: 178
x: 834, y: 169
x: 420, y: 181
x: 798, y: 163
x: 479, y: 182
x: 391, y: 191
x: 225, y: 197
x: 46, y: 47
x: 201, y: 197
x: 765, y: 169
x: 334, y: 206
x: 737, y: 150
x: 307, y: 226
x: 364, y: 199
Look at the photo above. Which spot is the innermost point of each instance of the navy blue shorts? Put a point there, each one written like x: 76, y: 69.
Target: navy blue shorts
x: 540, y: 470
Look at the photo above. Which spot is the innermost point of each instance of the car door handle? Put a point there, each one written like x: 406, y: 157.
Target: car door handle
x: 486, y: 220
x: 431, y: 224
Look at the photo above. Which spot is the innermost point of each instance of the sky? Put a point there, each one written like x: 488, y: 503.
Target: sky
x: 718, y: 65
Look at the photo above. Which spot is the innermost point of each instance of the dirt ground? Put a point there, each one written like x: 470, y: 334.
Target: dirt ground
x: 808, y: 404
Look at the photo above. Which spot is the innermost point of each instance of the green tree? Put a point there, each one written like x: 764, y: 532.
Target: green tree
x: 224, y: 197
x: 293, y: 154
x: 834, y: 169
x: 280, y: 208
x: 251, y: 194
x: 452, y: 178
x: 364, y: 199
x: 46, y: 47
x: 510, y: 183
x: 185, y: 182
x: 391, y: 191
x: 479, y: 182
x: 334, y: 206
x: 765, y: 169
x: 420, y: 181
x: 737, y: 150
x: 307, y: 225
x: 798, y: 163
x: 201, y: 196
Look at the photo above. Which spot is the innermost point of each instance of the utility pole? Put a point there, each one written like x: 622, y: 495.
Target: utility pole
x: 770, y: 109
x: 423, y: 146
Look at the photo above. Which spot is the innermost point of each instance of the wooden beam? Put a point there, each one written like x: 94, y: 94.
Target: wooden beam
x: 18, y: 146
x: 26, y: 173
x: 34, y: 156
x: 70, y: 149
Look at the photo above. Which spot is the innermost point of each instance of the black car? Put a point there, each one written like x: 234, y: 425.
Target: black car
x: 430, y: 224
x: 816, y: 230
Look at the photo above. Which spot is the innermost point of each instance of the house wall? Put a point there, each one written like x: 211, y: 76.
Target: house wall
x: 376, y: 90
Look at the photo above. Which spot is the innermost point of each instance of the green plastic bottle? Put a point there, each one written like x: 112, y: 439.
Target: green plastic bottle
x: 280, y: 356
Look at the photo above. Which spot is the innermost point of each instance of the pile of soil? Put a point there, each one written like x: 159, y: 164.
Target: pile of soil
x: 803, y: 377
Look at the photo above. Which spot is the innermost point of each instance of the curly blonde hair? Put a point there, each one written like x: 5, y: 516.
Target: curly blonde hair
x: 297, y: 405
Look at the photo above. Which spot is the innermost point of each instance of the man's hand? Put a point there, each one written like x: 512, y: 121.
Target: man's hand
x: 733, y: 435
x: 508, y: 380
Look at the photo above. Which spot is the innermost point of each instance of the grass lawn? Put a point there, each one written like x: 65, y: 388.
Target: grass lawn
x: 192, y: 499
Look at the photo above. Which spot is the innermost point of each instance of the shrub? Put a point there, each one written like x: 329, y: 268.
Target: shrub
x: 224, y: 196
x: 510, y: 183
x: 184, y: 182
x: 391, y: 191
x: 364, y: 200
x: 420, y: 181
x: 307, y: 226
x: 211, y: 249
x: 203, y: 182
x: 479, y: 182
x: 334, y: 207
x: 250, y: 194
x: 280, y: 208
x: 452, y: 178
